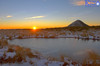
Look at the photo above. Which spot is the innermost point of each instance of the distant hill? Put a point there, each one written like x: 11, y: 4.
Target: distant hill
x: 78, y: 23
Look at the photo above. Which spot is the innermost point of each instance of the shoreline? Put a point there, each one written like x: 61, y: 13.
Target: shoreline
x: 84, y: 38
x: 16, y: 54
x: 25, y: 54
x: 90, y: 34
x: 10, y: 53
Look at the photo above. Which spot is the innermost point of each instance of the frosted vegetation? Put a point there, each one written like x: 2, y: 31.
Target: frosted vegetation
x: 14, y: 55
x: 69, y: 32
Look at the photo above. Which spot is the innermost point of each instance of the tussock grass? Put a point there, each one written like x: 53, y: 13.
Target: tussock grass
x: 49, y: 58
x: 21, y: 53
x: 92, y: 60
x: 3, y: 42
x: 10, y: 49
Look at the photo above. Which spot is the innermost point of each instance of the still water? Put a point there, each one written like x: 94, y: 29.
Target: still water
x: 70, y: 47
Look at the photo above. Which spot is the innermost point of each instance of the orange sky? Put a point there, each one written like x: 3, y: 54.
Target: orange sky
x: 24, y: 14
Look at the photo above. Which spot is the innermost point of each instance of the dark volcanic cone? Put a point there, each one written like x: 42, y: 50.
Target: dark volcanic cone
x: 78, y: 23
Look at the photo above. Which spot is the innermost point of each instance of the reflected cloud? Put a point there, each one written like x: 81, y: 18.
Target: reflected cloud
x: 89, y: 56
x: 9, y: 16
x: 87, y: 51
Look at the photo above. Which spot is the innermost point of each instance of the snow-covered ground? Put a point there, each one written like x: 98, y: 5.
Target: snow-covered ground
x: 19, y: 34
x: 12, y: 55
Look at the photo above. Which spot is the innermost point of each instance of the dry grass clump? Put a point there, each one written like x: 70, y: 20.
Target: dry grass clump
x: 22, y: 53
x: 10, y: 49
x: 67, y: 61
x: 31, y: 62
x: 3, y: 42
x: 52, y: 58
x: 3, y: 59
x: 29, y: 53
x: 92, y: 60
x: 62, y: 58
x: 37, y: 53
x: 20, y: 56
x: 66, y: 64
x: 84, y: 35
x: 20, y: 37
x: 9, y: 60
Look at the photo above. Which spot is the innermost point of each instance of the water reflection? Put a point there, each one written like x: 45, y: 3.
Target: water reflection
x: 86, y: 39
x: 74, y: 48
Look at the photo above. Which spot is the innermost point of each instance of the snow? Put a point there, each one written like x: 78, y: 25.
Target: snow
x: 42, y: 61
x: 1, y: 54
x: 90, y: 34
x: 16, y: 64
x: 10, y: 54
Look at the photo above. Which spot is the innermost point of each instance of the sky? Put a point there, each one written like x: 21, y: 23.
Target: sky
x: 24, y: 14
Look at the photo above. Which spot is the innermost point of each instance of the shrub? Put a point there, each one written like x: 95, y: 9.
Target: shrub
x: 3, y: 43
x: 10, y: 50
x: 19, y: 57
x: 30, y: 55
x: 20, y: 37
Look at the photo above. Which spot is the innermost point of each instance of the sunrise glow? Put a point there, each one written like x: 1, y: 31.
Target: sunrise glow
x: 34, y: 28
x: 16, y: 14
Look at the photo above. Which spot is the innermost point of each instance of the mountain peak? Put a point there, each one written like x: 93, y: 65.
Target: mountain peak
x: 78, y: 23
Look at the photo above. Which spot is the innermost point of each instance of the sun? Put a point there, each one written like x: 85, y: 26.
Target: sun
x: 34, y: 28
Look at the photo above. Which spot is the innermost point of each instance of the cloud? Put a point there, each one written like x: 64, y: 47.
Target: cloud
x: 9, y: 16
x: 80, y: 3
x: 38, y: 16
x: 34, y: 17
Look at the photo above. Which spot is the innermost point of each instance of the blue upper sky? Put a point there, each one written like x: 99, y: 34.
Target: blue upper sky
x: 46, y: 13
